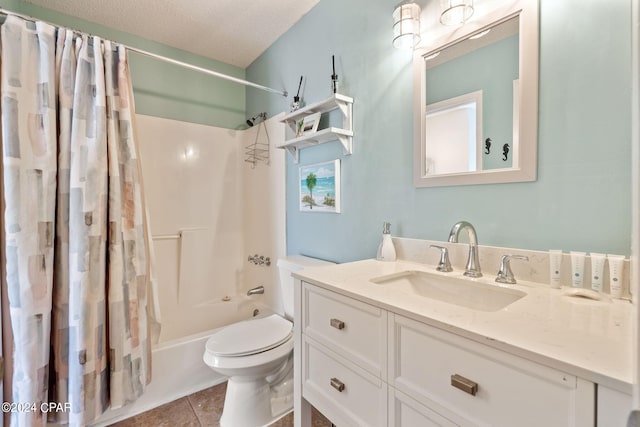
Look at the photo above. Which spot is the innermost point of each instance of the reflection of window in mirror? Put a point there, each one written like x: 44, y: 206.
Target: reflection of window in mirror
x: 453, y: 129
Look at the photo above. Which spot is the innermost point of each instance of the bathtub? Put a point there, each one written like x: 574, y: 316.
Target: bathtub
x: 177, y: 366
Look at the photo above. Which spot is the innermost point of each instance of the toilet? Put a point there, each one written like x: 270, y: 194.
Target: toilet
x: 257, y: 356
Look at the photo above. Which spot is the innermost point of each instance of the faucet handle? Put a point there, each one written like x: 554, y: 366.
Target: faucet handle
x: 444, y: 264
x: 505, y: 275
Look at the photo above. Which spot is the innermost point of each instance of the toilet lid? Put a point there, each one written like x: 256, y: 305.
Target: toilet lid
x: 250, y: 336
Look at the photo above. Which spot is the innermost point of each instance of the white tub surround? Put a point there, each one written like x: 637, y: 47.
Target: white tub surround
x: 229, y: 212
x: 581, y: 343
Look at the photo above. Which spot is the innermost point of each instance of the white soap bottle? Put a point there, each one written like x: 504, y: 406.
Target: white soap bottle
x: 386, y: 250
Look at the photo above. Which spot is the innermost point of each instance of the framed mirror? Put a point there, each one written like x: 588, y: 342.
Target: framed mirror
x: 476, y: 100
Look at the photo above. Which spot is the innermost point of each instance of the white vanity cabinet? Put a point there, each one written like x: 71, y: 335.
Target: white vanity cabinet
x: 405, y: 411
x: 365, y: 366
x: 613, y: 407
x: 355, y: 330
x: 344, y: 351
x: 473, y: 384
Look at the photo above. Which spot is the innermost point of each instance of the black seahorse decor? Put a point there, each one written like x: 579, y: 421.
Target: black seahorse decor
x: 505, y: 152
x: 487, y: 146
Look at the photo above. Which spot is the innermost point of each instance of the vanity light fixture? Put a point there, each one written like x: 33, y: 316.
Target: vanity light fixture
x: 455, y: 12
x: 406, y: 25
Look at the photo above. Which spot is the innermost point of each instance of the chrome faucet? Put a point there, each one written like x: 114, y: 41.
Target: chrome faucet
x: 472, y: 269
x: 505, y: 274
x: 255, y: 291
x: 444, y: 264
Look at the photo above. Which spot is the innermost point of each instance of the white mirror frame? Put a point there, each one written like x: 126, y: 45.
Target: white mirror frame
x: 525, y: 157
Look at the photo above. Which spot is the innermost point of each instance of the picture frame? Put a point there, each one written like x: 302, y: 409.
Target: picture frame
x: 320, y: 187
x: 307, y: 124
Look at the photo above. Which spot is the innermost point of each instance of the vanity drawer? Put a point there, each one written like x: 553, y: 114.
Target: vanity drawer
x: 493, y: 387
x: 355, y: 330
x: 346, y: 394
x: 407, y: 412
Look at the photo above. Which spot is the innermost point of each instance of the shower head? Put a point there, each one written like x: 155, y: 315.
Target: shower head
x: 252, y: 120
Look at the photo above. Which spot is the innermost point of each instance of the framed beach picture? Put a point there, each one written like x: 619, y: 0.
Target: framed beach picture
x: 320, y: 187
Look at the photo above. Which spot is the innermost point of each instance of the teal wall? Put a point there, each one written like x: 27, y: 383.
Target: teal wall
x: 582, y: 197
x: 162, y: 89
x: 491, y: 69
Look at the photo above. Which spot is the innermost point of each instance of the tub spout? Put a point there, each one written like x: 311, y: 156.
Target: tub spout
x: 255, y: 291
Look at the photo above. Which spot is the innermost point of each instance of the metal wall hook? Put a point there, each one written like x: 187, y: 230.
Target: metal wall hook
x: 505, y: 152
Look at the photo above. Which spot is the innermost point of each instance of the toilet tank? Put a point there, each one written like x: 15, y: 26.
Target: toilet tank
x: 288, y: 265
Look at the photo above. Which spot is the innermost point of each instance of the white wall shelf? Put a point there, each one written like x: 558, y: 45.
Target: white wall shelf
x: 343, y: 135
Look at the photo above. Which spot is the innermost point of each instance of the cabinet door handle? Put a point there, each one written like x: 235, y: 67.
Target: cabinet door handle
x: 464, y: 384
x: 337, y: 323
x: 337, y: 384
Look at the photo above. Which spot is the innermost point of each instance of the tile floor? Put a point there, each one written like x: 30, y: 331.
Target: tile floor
x: 201, y: 409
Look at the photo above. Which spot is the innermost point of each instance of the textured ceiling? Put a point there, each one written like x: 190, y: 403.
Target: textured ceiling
x: 232, y: 31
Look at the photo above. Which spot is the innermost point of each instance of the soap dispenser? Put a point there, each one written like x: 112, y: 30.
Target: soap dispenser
x: 386, y: 251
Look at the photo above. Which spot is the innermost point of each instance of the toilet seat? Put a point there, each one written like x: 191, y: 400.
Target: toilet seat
x: 257, y: 358
x: 249, y: 337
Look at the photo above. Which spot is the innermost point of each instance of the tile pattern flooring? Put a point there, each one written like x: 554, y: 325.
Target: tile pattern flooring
x: 201, y: 409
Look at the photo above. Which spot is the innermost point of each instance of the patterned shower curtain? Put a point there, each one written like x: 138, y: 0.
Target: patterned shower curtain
x: 75, y: 239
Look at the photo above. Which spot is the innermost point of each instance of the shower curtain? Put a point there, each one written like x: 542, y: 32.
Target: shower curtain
x: 75, y: 237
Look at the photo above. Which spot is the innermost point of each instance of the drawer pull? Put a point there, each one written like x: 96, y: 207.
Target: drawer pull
x: 337, y: 384
x: 337, y: 323
x: 464, y: 384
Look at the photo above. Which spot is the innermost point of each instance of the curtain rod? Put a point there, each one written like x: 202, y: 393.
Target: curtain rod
x: 163, y: 58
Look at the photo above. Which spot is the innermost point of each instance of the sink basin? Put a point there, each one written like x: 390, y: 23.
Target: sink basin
x: 452, y: 290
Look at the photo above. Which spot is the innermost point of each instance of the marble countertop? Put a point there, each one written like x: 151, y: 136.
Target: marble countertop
x: 586, y: 338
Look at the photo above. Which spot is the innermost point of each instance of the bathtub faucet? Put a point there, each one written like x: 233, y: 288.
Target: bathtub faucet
x: 255, y: 291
